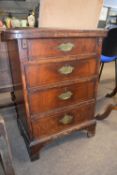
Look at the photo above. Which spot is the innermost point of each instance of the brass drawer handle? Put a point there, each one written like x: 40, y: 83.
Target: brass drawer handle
x: 67, y: 119
x: 65, y: 70
x: 66, y: 95
x: 66, y: 47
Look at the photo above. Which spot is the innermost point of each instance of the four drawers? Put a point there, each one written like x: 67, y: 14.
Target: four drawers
x: 55, y: 123
x: 55, y: 76
x: 60, y: 72
x: 53, y: 72
x: 48, y: 99
x: 40, y: 48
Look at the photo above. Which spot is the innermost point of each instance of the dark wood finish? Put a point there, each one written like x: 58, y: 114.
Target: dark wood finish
x: 52, y: 47
x: 47, y: 125
x: 51, y: 33
x: 56, y: 72
x: 106, y: 112
x: 49, y: 99
x: 48, y: 73
x: 5, y: 153
x: 113, y: 93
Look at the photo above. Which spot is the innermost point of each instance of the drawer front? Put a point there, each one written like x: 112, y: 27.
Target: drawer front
x: 43, y: 101
x: 52, y: 124
x: 58, y: 47
x: 49, y: 73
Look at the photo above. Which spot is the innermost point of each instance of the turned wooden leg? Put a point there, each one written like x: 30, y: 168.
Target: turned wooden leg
x: 91, y: 130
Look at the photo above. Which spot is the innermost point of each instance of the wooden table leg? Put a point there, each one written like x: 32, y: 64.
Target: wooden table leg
x: 5, y: 153
x: 109, y: 95
x: 106, y: 113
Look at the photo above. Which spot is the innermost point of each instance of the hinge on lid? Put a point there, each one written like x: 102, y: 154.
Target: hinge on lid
x: 24, y: 43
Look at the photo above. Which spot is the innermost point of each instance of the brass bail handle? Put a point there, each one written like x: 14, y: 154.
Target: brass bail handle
x: 66, y: 95
x: 66, y: 47
x: 66, y: 70
x: 67, y: 119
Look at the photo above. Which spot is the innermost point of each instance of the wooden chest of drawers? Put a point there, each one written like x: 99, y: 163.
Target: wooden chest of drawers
x: 56, y: 72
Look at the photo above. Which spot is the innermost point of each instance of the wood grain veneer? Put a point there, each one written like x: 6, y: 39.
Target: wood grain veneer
x: 56, y: 72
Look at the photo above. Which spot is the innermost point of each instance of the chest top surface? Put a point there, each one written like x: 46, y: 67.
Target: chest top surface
x: 50, y: 33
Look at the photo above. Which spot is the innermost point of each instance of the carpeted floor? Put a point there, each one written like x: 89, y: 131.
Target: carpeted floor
x: 75, y: 154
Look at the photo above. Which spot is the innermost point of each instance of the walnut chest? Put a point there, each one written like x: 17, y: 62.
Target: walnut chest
x: 55, y: 76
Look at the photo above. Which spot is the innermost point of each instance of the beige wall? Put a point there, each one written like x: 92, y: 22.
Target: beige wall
x: 71, y: 14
